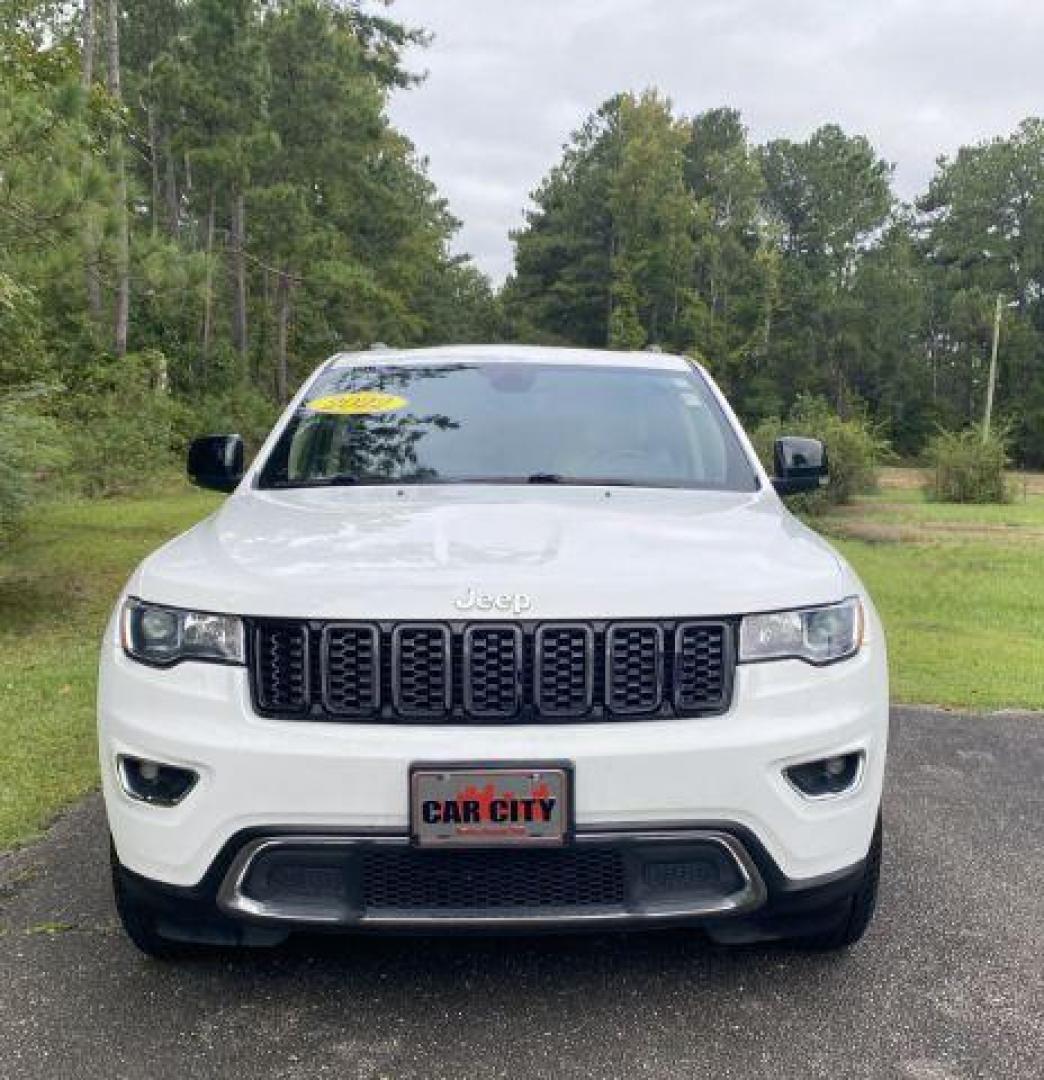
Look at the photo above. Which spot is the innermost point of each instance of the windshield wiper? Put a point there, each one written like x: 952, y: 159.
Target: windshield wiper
x: 340, y: 480
x: 350, y: 479
x: 552, y: 478
x: 585, y: 481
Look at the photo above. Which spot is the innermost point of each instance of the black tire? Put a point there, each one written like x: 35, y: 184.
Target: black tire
x: 845, y: 931
x: 139, y: 921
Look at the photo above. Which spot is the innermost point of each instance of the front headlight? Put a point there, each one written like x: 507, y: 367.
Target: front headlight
x: 164, y: 635
x: 817, y: 635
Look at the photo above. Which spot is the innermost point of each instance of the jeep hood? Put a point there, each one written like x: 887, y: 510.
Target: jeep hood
x: 580, y: 552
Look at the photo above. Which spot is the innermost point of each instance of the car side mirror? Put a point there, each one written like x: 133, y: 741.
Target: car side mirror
x: 216, y: 462
x: 799, y: 465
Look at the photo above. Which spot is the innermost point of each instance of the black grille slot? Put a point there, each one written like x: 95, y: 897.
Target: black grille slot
x: 351, y: 669
x: 478, y: 881
x: 281, y: 666
x: 421, y: 670
x: 564, y: 669
x: 703, y: 667
x: 492, y: 670
x: 634, y: 667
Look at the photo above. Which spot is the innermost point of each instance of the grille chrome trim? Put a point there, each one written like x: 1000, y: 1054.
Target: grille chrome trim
x: 611, y: 666
x: 468, y: 674
x: 538, y: 669
x: 233, y: 900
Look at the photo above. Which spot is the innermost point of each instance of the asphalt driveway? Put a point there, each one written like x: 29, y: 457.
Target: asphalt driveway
x: 948, y: 984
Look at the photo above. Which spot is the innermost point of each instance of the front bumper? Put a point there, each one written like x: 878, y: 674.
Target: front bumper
x: 720, y: 879
x: 605, y: 879
x: 258, y: 776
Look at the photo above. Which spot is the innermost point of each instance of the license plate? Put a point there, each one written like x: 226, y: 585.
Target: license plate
x: 461, y: 807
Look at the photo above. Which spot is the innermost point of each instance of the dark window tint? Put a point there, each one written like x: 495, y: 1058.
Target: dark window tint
x: 509, y: 423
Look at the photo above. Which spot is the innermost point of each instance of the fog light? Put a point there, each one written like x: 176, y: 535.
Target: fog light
x: 154, y: 782
x: 828, y: 776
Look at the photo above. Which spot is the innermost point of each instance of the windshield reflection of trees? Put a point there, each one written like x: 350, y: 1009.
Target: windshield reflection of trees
x: 387, y: 448
x: 384, y: 445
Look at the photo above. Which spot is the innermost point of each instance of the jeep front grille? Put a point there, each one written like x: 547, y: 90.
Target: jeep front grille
x: 491, y: 672
x: 421, y: 666
x: 493, y: 663
x: 351, y: 674
x: 634, y: 667
x: 564, y: 670
x: 702, y: 659
x: 280, y: 665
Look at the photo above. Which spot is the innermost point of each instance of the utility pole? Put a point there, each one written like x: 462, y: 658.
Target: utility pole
x: 90, y: 245
x: 112, y: 83
x: 991, y: 385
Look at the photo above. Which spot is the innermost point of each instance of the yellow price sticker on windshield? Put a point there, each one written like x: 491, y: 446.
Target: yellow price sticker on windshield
x: 358, y: 403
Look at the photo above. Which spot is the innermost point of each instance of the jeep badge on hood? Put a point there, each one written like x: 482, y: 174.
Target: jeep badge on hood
x: 475, y: 600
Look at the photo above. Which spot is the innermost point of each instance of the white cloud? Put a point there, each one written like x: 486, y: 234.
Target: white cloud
x: 510, y: 79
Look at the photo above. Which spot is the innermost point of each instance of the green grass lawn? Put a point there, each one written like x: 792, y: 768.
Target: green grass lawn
x: 911, y: 508
x: 58, y: 581
x: 961, y: 590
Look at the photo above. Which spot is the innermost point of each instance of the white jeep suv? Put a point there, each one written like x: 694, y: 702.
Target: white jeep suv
x: 496, y: 638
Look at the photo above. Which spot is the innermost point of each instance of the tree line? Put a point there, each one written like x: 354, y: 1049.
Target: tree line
x: 207, y: 196
x: 791, y: 268
x: 199, y: 199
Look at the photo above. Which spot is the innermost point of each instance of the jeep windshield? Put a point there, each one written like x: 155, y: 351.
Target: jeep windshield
x: 509, y: 423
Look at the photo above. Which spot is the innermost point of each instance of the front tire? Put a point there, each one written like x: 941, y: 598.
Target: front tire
x: 140, y: 920
x: 843, y: 932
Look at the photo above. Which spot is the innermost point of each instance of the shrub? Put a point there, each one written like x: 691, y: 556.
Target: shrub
x: 965, y: 468
x: 118, y: 422
x: 23, y: 359
x: 242, y: 409
x: 856, y: 449
x: 31, y: 445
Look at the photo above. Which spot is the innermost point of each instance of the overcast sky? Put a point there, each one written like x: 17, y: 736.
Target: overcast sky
x: 508, y: 80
